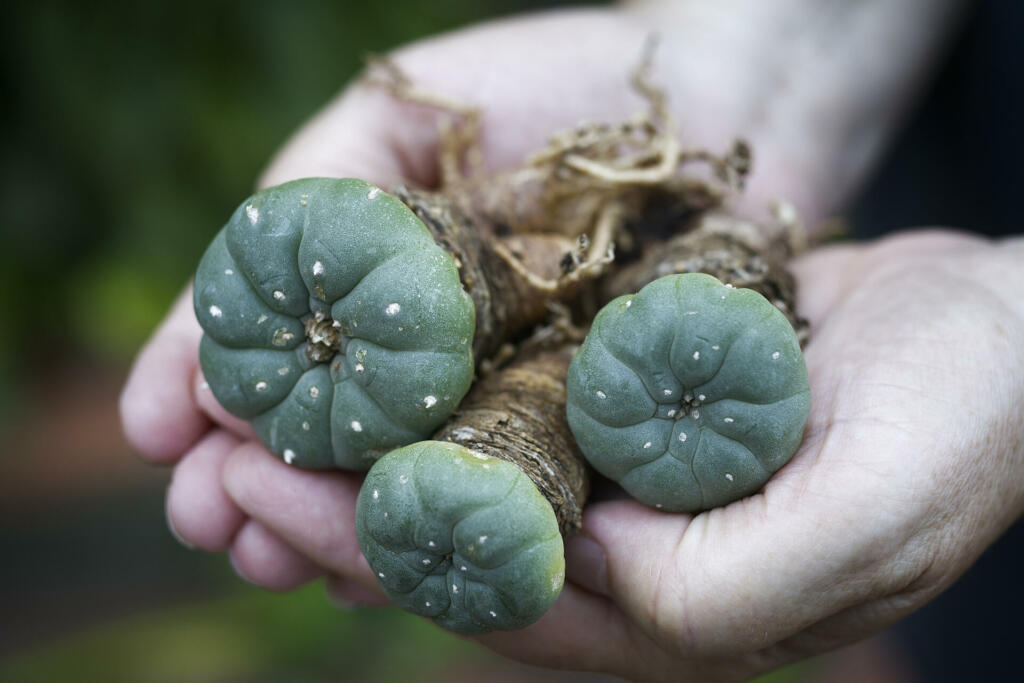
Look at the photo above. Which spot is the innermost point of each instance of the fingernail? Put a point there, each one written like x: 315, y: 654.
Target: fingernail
x: 239, y: 572
x: 587, y: 564
x: 174, y: 532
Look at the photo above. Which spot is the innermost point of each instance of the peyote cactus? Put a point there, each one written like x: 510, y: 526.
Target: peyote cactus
x: 690, y: 394
x: 461, y: 537
x: 333, y: 322
x: 467, y: 529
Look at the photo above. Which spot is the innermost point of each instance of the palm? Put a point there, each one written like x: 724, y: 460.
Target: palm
x: 849, y: 536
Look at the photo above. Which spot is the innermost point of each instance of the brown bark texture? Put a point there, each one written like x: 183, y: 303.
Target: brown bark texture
x: 734, y: 251
x: 510, y: 279
x: 518, y: 414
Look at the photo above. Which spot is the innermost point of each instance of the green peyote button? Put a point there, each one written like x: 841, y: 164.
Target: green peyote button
x: 333, y: 322
x: 690, y: 394
x: 462, y: 538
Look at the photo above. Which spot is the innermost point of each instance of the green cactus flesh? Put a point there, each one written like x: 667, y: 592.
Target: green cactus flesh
x: 333, y: 322
x: 460, y: 537
x: 690, y: 394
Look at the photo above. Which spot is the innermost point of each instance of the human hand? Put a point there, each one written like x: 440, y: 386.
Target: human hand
x: 911, y: 465
x: 285, y: 526
x: 529, y: 82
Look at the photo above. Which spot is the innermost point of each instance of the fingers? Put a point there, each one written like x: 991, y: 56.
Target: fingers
x: 586, y: 564
x: 158, y: 413
x: 264, y: 560
x: 614, y: 531
x: 740, y: 578
x: 198, y: 509
x: 202, y: 515
x: 207, y: 402
x: 683, y: 586
x: 313, y: 512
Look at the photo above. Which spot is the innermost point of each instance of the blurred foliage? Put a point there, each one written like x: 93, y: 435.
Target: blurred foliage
x: 132, y: 130
x: 254, y: 636
x: 261, y: 637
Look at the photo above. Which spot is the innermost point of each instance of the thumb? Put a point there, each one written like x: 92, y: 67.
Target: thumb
x: 732, y: 580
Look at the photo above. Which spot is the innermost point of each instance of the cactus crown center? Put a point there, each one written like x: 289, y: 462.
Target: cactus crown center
x: 324, y: 338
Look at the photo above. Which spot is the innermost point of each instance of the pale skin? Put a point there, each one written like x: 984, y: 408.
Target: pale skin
x: 913, y: 459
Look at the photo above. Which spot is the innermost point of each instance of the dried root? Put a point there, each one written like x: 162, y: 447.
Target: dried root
x: 594, y: 180
x: 511, y: 279
x: 594, y: 190
x: 735, y: 251
x: 532, y: 242
x: 518, y: 415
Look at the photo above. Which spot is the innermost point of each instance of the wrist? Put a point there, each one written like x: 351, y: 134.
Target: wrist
x: 817, y: 88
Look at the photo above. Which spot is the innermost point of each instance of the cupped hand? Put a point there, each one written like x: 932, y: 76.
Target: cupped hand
x: 529, y: 82
x: 912, y: 463
x: 912, y: 459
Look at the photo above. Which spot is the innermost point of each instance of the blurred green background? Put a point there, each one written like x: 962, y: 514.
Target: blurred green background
x: 130, y: 133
